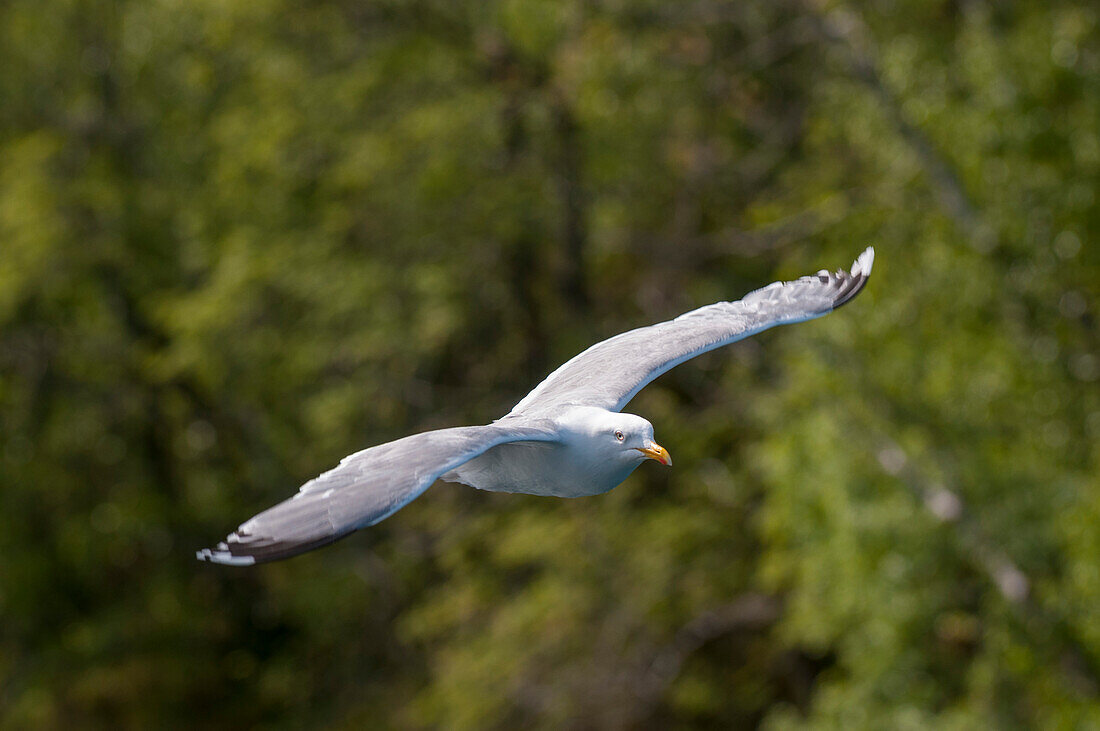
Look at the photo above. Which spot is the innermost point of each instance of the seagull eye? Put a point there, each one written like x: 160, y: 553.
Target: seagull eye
x: 619, y: 435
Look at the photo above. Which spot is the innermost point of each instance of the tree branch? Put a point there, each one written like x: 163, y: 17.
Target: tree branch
x: 749, y: 612
x: 845, y: 28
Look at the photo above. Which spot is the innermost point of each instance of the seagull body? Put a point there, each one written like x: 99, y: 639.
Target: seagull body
x: 586, y: 456
x: 566, y: 438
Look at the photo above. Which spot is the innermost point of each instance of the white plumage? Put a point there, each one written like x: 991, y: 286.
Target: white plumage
x: 566, y: 438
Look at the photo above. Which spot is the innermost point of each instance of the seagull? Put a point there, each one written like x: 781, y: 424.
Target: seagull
x: 566, y: 438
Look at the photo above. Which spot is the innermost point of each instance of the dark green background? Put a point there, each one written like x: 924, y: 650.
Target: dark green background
x: 239, y: 240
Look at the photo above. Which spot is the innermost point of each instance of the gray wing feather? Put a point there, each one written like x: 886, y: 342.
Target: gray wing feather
x: 610, y: 373
x: 364, y: 488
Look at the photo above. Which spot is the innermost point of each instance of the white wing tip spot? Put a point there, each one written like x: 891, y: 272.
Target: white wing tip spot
x: 864, y: 262
x: 224, y: 557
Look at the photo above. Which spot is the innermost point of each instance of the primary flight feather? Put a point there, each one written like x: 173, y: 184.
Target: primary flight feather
x: 566, y: 438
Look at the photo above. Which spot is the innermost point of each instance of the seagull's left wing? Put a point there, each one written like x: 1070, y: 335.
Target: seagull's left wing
x: 364, y: 488
x: 610, y: 373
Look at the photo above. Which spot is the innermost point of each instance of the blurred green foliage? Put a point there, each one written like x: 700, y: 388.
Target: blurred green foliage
x: 239, y: 240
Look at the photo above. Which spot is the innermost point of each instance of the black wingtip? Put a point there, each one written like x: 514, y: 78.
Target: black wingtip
x: 252, y: 543
x: 296, y: 525
x: 246, y: 550
x: 851, y: 283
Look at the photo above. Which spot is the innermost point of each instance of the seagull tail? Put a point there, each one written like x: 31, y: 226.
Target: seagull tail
x: 294, y: 526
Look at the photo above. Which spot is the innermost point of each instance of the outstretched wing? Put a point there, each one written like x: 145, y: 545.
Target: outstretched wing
x: 609, y: 373
x: 363, y: 489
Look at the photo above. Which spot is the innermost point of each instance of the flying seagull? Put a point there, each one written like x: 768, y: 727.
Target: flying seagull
x: 566, y: 438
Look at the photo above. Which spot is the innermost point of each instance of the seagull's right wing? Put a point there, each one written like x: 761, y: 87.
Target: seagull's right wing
x: 364, y: 488
x: 609, y: 373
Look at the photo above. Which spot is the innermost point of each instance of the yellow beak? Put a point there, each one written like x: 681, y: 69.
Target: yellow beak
x: 655, y: 451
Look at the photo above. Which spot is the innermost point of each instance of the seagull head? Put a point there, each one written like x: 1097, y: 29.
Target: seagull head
x: 624, y: 438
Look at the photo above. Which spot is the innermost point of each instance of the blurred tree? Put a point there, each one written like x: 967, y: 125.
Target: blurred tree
x: 240, y: 240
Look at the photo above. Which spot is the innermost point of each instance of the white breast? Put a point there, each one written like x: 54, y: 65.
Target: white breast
x: 542, y: 468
